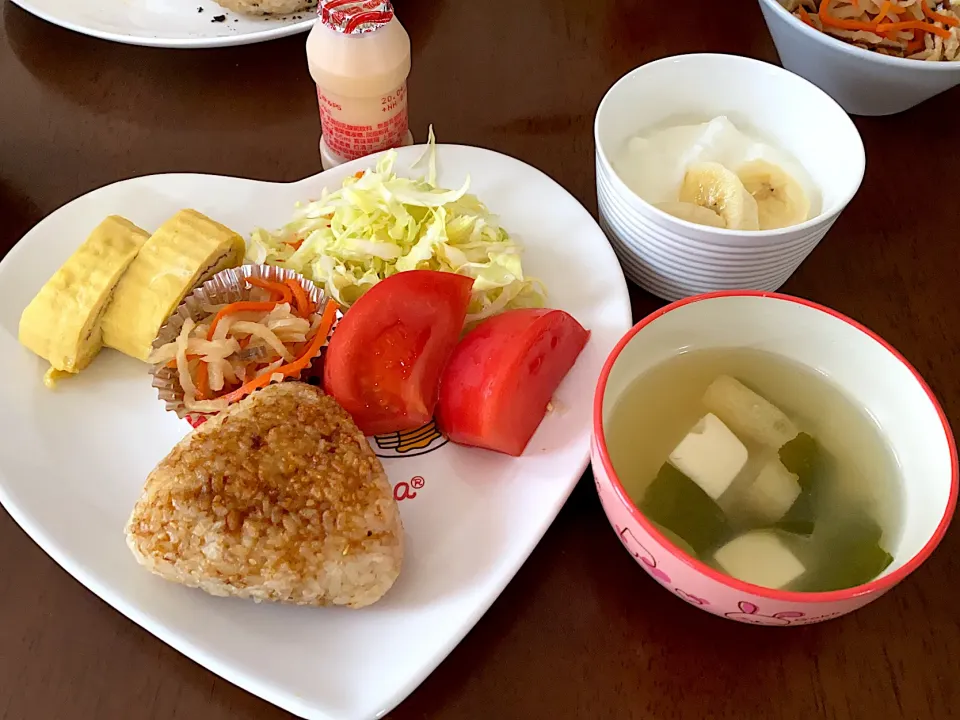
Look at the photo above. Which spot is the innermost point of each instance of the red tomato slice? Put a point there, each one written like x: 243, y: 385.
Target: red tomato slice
x: 384, y: 361
x: 500, y: 378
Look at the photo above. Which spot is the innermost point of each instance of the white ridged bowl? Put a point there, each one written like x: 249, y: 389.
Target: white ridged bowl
x: 672, y: 258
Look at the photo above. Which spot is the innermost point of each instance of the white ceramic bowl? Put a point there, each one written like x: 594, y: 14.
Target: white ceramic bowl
x: 862, y: 81
x: 673, y: 258
x: 866, y: 368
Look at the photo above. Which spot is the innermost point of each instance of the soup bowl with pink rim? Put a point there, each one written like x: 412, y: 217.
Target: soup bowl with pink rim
x: 866, y: 368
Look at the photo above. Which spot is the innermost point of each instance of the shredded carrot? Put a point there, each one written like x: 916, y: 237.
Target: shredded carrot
x: 304, y: 306
x: 358, y: 175
x: 203, y: 382
x: 172, y: 364
x: 805, y: 16
x: 881, y: 26
x: 884, y: 11
x: 915, y: 45
x: 295, y: 244
x: 913, y: 25
x: 281, y: 289
x: 298, y: 365
x: 937, y: 17
x: 233, y: 308
x: 829, y: 20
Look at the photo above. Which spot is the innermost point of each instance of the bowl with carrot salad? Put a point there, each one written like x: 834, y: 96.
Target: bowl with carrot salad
x: 874, y: 57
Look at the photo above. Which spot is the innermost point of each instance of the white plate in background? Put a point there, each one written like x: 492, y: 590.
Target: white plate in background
x: 166, y: 23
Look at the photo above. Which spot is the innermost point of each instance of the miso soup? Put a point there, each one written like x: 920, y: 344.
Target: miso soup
x: 760, y: 467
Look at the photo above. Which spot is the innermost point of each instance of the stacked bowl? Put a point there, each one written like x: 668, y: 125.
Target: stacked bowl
x: 673, y: 258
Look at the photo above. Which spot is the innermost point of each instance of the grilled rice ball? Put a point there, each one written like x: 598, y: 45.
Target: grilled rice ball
x: 279, y: 498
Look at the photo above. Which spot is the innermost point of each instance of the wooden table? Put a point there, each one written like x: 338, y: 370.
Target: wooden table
x: 581, y: 632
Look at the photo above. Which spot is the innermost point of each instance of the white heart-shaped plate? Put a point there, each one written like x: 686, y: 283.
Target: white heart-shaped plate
x: 73, y: 460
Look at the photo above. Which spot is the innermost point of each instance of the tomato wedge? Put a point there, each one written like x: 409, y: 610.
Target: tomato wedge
x: 385, y: 358
x: 495, y: 390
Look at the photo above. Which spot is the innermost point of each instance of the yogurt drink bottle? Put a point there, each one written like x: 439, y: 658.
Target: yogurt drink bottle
x: 359, y: 57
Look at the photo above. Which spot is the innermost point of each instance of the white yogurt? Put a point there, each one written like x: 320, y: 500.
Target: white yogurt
x: 653, y: 165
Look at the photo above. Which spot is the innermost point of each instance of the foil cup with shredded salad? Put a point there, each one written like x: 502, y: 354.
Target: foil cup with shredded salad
x: 238, y: 347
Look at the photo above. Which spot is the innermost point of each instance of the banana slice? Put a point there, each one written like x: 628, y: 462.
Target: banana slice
x: 710, y: 185
x: 693, y: 213
x: 780, y: 199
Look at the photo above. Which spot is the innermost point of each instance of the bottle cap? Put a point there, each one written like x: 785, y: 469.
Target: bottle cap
x: 355, y: 17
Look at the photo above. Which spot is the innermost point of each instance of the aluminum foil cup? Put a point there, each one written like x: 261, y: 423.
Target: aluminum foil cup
x: 227, y: 286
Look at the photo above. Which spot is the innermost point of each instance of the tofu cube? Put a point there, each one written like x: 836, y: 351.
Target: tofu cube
x: 774, y: 492
x: 759, y: 557
x: 710, y: 455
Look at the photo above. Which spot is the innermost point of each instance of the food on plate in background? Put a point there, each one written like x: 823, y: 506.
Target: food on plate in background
x: 384, y: 361
x: 763, y: 469
x: 267, y: 7
x: 497, y: 386
x: 716, y: 175
x: 242, y: 330
x: 279, y: 498
x: 378, y: 224
x: 186, y: 250
x: 62, y: 324
x: 359, y: 57
x: 914, y: 29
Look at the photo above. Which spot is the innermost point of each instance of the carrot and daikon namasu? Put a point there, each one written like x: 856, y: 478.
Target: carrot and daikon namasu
x: 916, y: 29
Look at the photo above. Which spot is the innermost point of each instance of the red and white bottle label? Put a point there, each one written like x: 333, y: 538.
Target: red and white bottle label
x: 386, y: 129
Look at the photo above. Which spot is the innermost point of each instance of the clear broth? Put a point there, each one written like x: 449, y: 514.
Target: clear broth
x: 659, y: 407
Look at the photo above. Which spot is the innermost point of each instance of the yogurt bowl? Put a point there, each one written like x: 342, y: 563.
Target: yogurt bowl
x: 675, y: 258
x: 860, y: 364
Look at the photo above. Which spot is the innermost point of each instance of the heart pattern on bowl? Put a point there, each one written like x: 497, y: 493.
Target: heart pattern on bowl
x: 649, y: 562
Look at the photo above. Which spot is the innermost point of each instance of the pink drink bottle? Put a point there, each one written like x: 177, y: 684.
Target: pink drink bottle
x: 359, y: 57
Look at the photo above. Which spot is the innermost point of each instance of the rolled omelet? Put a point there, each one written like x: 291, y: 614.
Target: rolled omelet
x: 187, y: 250
x: 63, y: 323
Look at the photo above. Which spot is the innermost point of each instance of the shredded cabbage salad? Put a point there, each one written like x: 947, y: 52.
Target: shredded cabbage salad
x: 378, y: 224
